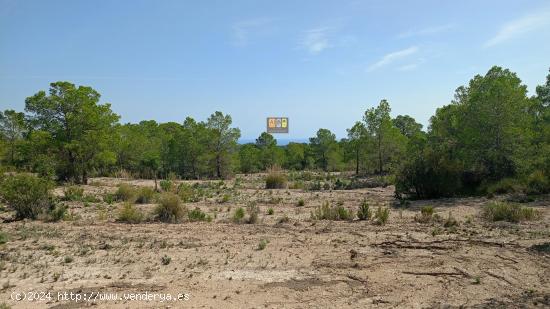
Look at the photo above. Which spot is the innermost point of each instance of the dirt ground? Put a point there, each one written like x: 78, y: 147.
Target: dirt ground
x: 305, y: 263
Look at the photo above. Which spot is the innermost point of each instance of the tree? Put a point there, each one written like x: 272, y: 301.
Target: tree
x: 388, y: 141
x: 223, y: 143
x: 407, y: 125
x: 270, y: 154
x: 12, y: 130
x: 249, y: 158
x: 81, y: 129
x: 326, y: 150
x: 357, y: 137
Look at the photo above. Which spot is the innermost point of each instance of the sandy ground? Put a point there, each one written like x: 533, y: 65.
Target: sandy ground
x: 305, y: 264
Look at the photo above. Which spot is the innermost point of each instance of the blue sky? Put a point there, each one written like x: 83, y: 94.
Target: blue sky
x: 320, y: 63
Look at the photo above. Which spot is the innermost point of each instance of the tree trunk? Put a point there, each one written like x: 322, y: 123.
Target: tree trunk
x: 357, y: 162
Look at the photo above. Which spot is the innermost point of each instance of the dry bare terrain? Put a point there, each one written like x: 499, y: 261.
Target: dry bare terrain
x: 286, y: 259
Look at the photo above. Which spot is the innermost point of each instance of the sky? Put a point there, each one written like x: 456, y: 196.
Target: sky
x: 321, y: 63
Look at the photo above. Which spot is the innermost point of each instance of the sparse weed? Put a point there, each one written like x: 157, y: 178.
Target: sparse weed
x: 382, y: 215
x: 364, y: 212
x: 502, y: 211
x: 129, y: 214
x: 327, y: 212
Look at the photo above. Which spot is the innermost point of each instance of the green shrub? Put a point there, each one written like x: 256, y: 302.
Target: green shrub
x: 126, y: 193
x: 129, y: 214
x: 505, y: 185
x: 198, y: 215
x: 263, y: 244
x: 28, y: 195
x: 59, y: 212
x: 109, y: 198
x: 537, y: 183
x: 426, y: 214
x: 382, y: 215
x: 189, y: 193
x: 165, y: 260
x: 364, y: 212
x: 225, y: 198
x: 73, y: 193
x: 301, y: 202
x: 327, y: 212
x: 503, y: 211
x: 3, y: 238
x: 270, y: 211
x: 275, y: 180
x: 169, y: 208
x: 166, y: 185
x: 238, y: 216
x: 145, y: 195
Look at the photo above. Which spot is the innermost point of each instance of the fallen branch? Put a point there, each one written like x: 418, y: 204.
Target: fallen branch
x: 498, y: 277
x: 434, y: 273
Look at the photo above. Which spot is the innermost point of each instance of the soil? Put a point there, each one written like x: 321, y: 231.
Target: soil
x: 305, y: 263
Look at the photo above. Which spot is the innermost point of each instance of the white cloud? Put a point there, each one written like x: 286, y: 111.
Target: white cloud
x: 316, y: 40
x: 426, y: 31
x: 243, y: 30
x: 411, y: 66
x: 391, y: 57
x: 520, y: 26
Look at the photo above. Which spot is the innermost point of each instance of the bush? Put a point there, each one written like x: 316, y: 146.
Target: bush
x: 364, y: 212
x: 73, y: 193
x: 165, y: 260
x: 126, y: 193
x: 166, y: 185
x: 382, y: 215
x: 327, y: 212
x: 263, y: 244
x: 275, y: 180
x: 505, y: 185
x: 502, y: 211
x: 28, y: 195
x: 129, y: 214
x: 169, y: 208
x: 270, y: 211
x: 537, y: 183
x: 145, y: 195
x: 59, y: 212
x: 426, y: 214
x: 301, y: 202
x: 188, y: 193
x: 3, y: 238
x: 198, y: 215
x: 109, y: 198
x: 238, y: 216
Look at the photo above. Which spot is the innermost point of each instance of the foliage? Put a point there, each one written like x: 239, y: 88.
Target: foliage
x: 238, y: 215
x: 166, y: 185
x: 382, y: 215
x: 145, y: 195
x: 169, y: 208
x: 328, y: 212
x: 364, y: 212
x: 503, y: 211
x: 198, y: 215
x: 28, y: 195
x: 73, y: 193
x: 130, y: 214
x: 126, y: 193
x: 275, y: 180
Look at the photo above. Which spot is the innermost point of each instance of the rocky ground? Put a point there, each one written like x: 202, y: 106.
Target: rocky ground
x: 286, y: 259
